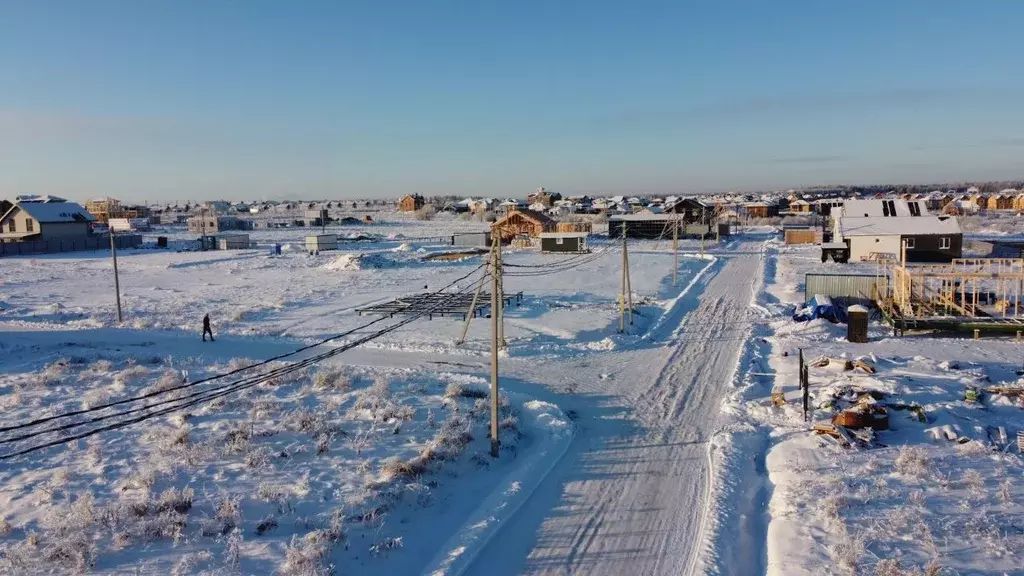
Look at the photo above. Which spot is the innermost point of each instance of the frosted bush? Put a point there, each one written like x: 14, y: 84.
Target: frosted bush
x: 308, y: 556
x: 846, y: 553
x: 973, y: 480
x: 912, y: 461
x: 168, y: 379
x: 179, y: 501
x: 331, y: 380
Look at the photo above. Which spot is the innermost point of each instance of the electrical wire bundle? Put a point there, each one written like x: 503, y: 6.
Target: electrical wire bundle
x: 79, y: 424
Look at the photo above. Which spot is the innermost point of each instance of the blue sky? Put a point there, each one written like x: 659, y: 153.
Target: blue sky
x: 192, y: 99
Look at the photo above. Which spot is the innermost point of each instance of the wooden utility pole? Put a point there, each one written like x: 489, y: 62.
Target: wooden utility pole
x: 626, y: 294
x: 501, y: 303
x: 622, y: 291
x: 117, y: 281
x: 675, y: 250
x: 702, y: 234
x: 472, y: 307
x: 496, y: 272
x: 629, y: 290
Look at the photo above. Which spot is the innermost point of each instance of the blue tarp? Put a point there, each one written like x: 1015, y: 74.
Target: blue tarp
x: 820, y: 307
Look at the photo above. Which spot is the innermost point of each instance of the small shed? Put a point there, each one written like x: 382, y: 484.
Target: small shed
x: 565, y: 242
x: 233, y: 242
x: 801, y: 235
x: 857, y: 324
x: 472, y: 240
x: 321, y: 242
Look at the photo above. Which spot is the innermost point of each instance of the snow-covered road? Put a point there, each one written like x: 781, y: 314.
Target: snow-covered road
x: 630, y: 495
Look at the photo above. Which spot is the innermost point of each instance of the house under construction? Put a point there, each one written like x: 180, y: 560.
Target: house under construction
x: 964, y: 295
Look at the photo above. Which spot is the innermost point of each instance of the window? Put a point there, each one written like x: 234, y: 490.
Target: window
x: 915, y: 208
x: 885, y: 209
x: 910, y: 242
x: 11, y: 226
x: 944, y: 243
x: 28, y: 224
x: 877, y: 240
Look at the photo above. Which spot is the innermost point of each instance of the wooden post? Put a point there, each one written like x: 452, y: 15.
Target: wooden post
x: 472, y: 308
x: 501, y: 303
x: 805, y: 385
x: 977, y: 333
x: 495, y: 444
x: 117, y: 281
x: 1019, y: 339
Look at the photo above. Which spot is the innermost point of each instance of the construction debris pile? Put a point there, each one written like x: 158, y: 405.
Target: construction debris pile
x: 858, y: 409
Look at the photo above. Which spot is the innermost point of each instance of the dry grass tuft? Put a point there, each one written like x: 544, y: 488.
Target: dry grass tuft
x: 912, y: 461
x: 308, y: 556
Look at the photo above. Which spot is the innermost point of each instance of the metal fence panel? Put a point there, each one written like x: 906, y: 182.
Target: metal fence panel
x: 853, y: 287
x: 55, y: 246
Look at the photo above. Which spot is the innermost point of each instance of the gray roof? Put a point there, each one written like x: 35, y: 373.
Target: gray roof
x: 44, y: 212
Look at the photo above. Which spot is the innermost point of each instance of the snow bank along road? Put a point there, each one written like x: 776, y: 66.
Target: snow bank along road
x: 629, y: 495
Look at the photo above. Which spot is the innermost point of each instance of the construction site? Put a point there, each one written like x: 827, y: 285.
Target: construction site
x: 979, y: 295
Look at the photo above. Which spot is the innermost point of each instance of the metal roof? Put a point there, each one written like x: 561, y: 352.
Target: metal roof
x: 44, y: 212
x: 563, y: 234
x: 898, y: 226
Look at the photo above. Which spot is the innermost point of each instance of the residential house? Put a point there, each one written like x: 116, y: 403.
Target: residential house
x: 691, y: 209
x: 42, y: 221
x: 825, y: 206
x: 205, y: 224
x: 1004, y: 200
x: 979, y: 200
x: 881, y: 228
x: 411, y: 203
x: 757, y: 210
x: 800, y: 206
x: 509, y: 205
x: 522, y: 222
x: 543, y: 196
x: 654, y: 226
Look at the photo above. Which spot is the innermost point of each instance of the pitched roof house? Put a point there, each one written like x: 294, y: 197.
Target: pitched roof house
x: 519, y: 222
x: 25, y: 221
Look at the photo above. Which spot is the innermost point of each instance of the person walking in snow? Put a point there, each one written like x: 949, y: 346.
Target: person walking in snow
x: 206, y: 328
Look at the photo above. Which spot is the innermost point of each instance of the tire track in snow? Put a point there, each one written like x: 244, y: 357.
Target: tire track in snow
x: 629, y: 495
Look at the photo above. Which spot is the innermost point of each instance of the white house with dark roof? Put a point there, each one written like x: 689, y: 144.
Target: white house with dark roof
x: 36, y: 221
x: 873, y: 229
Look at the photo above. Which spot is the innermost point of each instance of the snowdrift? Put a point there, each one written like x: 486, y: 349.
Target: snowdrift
x: 351, y: 262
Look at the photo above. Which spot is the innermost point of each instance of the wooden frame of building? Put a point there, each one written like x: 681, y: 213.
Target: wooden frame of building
x: 521, y: 222
x: 966, y: 287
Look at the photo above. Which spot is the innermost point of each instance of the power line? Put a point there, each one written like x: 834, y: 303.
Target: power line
x: 200, y: 397
x: 39, y: 421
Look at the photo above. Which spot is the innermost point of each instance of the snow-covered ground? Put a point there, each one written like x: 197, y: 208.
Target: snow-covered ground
x: 654, y: 451
x: 940, y: 492
x: 374, y: 461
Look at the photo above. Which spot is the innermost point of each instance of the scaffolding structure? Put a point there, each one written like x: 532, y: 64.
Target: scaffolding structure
x: 971, y: 291
x: 458, y: 304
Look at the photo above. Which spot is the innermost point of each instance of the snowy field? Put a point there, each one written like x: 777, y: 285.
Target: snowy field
x: 653, y: 451
x: 939, y: 492
x: 372, y: 462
